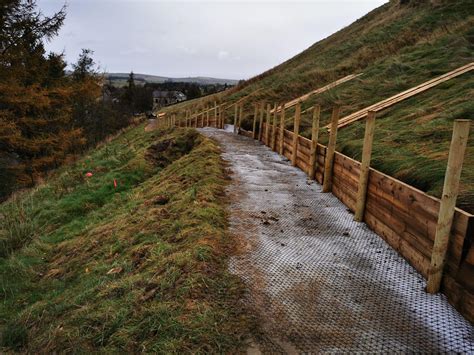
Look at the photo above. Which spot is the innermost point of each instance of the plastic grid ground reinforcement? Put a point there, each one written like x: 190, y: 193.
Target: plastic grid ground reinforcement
x: 318, y: 281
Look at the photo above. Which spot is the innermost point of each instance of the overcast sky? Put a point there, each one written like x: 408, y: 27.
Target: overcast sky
x: 225, y: 39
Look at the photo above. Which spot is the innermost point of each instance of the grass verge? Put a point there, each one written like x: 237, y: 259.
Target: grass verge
x: 140, y: 267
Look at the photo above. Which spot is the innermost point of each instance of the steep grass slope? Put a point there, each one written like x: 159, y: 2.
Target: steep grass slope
x: 395, y: 47
x: 88, y: 267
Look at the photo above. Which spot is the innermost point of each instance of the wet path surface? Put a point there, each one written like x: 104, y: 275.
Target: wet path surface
x: 319, y: 281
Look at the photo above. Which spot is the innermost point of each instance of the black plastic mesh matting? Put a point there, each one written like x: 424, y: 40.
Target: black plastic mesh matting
x: 319, y: 281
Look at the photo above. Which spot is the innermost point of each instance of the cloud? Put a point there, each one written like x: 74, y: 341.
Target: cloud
x: 135, y: 50
x: 187, y: 50
x: 222, y: 55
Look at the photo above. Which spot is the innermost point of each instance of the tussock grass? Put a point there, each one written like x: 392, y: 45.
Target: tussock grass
x: 137, y: 268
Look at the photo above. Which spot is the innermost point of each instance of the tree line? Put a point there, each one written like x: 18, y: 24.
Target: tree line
x: 47, y: 116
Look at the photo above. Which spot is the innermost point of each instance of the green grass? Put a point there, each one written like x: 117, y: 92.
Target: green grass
x: 396, y: 47
x: 138, y: 268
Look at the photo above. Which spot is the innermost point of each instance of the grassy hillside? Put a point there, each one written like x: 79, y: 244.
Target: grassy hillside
x: 141, y: 267
x: 395, y: 47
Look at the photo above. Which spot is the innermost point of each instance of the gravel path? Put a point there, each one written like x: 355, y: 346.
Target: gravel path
x: 318, y: 281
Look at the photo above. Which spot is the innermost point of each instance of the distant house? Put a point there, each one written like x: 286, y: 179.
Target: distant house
x: 165, y: 98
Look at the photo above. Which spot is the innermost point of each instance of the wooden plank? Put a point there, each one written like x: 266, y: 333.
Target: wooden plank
x: 288, y: 147
x: 302, y: 164
x: 304, y: 142
x: 460, y: 297
x: 305, y: 150
x: 302, y: 156
x: 413, y: 256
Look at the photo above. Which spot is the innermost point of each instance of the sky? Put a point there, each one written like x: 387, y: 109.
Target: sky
x: 222, y: 39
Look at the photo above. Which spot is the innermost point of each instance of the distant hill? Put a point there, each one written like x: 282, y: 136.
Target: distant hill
x: 119, y: 79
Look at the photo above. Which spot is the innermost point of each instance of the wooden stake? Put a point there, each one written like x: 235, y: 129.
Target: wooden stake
x: 207, y: 118
x: 236, y: 112
x: 314, y: 142
x: 221, y: 116
x: 254, y: 127
x: 365, y: 167
x: 282, y: 128
x: 215, y: 114
x: 274, y: 128
x: 448, y: 203
x: 241, y: 115
x: 296, y: 132
x: 329, y: 161
x: 267, y: 125
x: 260, y: 127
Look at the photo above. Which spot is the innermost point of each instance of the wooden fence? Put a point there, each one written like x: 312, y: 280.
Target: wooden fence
x: 409, y: 220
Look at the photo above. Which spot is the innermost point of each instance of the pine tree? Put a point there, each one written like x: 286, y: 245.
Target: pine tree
x: 36, y: 132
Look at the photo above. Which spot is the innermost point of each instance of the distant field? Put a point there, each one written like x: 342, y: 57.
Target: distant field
x: 120, y: 79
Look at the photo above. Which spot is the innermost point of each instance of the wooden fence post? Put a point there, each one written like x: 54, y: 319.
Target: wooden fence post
x: 236, y: 112
x: 282, y: 128
x: 274, y: 128
x: 267, y: 125
x: 365, y: 167
x: 296, y: 132
x: 215, y: 114
x: 254, y: 127
x: 207, y: 116
x: 448, y: 203
x: 241, y: 114
x: 221, y: 116
x: 260, y: 127
x: 313, y: 156
x: 329, y: 161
